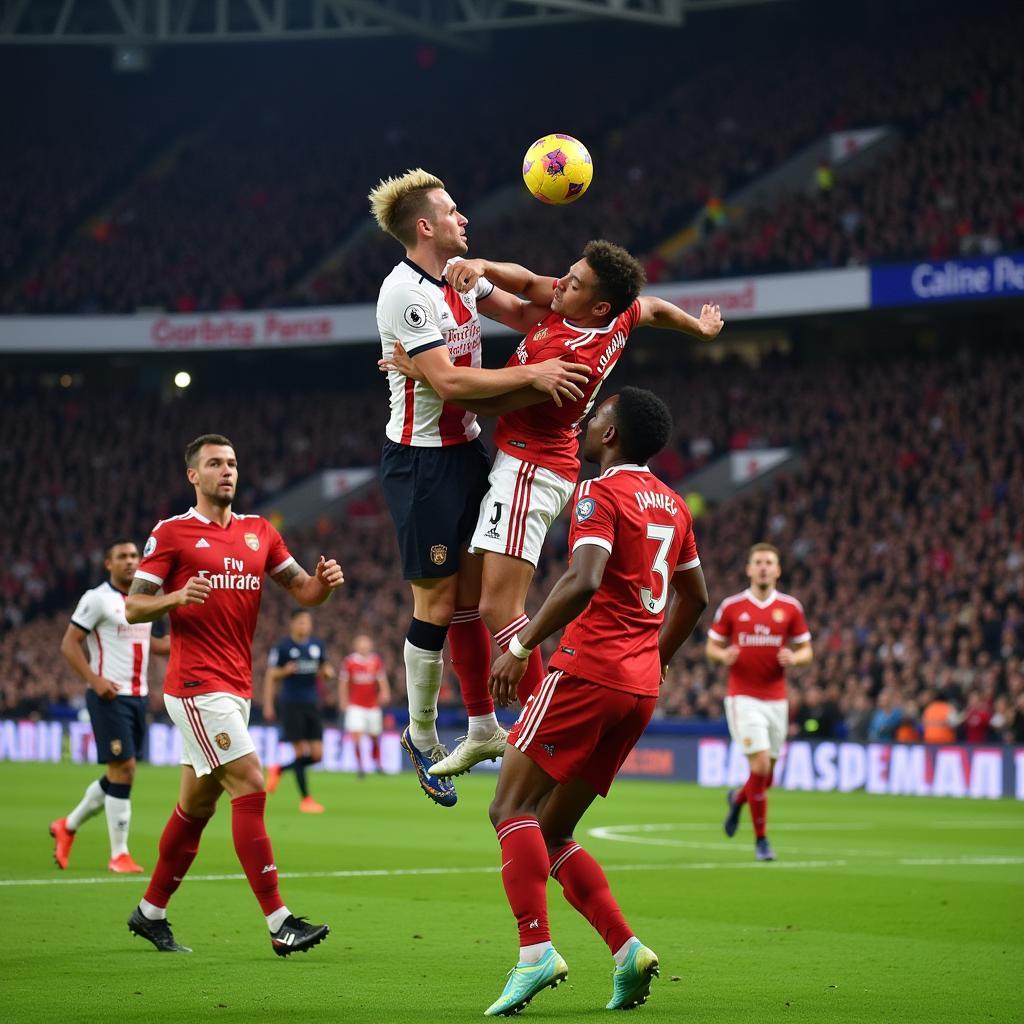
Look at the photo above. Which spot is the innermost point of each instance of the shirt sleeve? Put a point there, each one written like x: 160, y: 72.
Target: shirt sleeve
x: 631, y: 317
x: 688, y: 558
x: 408, y: 316
x: 159, y: 556
x: 87, y: 613
x: 798, y: 629
x: 593, y: 521
x: 278, y: 555
x: 721, y: 626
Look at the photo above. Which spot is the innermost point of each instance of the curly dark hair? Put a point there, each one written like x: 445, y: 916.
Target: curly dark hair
x: 619, y: 275
x: 643, y: 422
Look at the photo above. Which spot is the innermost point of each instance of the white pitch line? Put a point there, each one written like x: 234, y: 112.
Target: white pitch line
x: 664, y: 866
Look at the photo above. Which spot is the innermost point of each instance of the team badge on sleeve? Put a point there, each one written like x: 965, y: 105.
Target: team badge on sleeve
x: 149, y: 548
x: 584, y: 509
x: 252, y: 541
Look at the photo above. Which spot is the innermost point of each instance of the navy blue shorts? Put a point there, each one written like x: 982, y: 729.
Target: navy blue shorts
x: 300, y: 721
x: 434, y: 497
x: 118, y: 726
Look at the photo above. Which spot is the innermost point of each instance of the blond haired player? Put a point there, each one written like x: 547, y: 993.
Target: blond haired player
x: 751, y: 634
x: 433, y: 465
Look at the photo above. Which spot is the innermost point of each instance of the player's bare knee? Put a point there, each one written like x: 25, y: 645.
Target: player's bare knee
x: 761, y: 763
x: 121, y: 772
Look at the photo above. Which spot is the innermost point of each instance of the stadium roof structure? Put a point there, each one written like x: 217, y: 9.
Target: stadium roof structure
x: 462, y: 24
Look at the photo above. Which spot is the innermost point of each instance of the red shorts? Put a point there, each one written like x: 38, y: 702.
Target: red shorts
x: 575, y: 729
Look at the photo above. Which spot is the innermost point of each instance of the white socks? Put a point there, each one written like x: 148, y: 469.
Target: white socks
x: 119, y: 817
x: 532, y: 954
x: 623, y: 951
x: 91, y: 804
x: 423, y: 673
x: 151, y: 911
x: 277, y: 918
x: 482, y: 727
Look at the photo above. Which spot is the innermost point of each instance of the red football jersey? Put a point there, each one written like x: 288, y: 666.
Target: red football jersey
x: 759, y: 629
x: 649, y: 531
x: 362, y: 674
x: 545, y: 434
x: 211, y: 643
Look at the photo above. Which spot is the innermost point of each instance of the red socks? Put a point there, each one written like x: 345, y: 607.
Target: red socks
x: 375, y: 751
x: 252, y: 845
x: 756, y: 791
x: 586, y: 888
x: 524, y: 873
x: 179, y: 845
x: 534, y: 665
x: 469, y: 644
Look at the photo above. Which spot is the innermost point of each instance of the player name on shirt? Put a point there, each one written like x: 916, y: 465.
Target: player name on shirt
x: 656, y: 499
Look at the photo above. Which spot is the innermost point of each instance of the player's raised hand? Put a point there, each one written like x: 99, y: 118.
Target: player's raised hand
x: 329, y: 573
x: 103, y: 688
x: 506, y: 672
x: 402, y: 362
x: 711, y: 322
x: 463, y: 275
x: 560, y: 379
x: 196, y: 591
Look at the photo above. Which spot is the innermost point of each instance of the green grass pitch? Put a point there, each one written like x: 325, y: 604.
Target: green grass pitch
x: 878, y: 909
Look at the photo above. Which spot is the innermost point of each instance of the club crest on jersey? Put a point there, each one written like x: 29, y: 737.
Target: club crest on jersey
x: 223, y: 740
x: 585, y: 508
x: 252, y: 541
x: 541, y: 334
x: 149, y: 548
x: 415, y: 315
x: 439, y: 554
x: 778, y: 615
x: 115, y: 747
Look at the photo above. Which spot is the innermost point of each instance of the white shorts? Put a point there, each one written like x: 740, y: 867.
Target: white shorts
x: 516, y: 513
x: 214, y: 729
x: 757, y: 725
x: 364, y: 720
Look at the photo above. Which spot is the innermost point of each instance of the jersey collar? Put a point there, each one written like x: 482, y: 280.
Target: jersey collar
x: 590, y: 330
x: 628, y: 467
x: 768, y: 602
x: 209, y: 522
x: 423, y: 274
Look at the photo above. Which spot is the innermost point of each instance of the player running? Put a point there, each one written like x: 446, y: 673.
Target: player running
x: 206, y: 569
x: 588, y: 314
x: 297, y: 663
x: 433, y: 465
x: 750, y: 633
x: 631, y: 549
x: 362, y: 689
x: 116, y: 671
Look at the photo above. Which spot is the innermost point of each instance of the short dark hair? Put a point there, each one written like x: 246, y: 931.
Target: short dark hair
x: 108, y: 551
x: 763, y: 546
x: 643, y: 422
x: 296, y: 612
x: 193, y: 448
x: 619, y: 275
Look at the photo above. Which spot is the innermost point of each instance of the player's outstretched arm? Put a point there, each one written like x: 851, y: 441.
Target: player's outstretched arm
x: 655, y: 312
x: 689, y: 602
x: 568, y: 597
x: 146, y: 604
x: 509, y: 277
x: 308, y: 590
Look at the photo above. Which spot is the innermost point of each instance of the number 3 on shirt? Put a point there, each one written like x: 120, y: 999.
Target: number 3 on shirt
x: 664, y: 535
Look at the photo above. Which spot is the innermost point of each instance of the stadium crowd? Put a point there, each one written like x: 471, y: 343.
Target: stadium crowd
x: 258, y: 199
x: 900, y: 531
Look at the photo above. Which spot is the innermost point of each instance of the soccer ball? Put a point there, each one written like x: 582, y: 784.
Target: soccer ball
x: 557, y: 169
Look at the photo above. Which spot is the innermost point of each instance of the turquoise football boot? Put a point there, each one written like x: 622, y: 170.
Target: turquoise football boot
x: 525, y: 981
x: 631, y: 983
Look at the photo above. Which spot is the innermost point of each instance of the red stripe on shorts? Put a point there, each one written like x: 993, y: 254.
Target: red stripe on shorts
x: 195, y: 719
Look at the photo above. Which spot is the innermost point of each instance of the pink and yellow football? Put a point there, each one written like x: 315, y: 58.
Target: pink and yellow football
x: 557, y: 169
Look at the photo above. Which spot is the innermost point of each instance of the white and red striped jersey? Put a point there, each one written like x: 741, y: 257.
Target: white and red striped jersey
x: 423, y: 312
x: 118, y: 651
